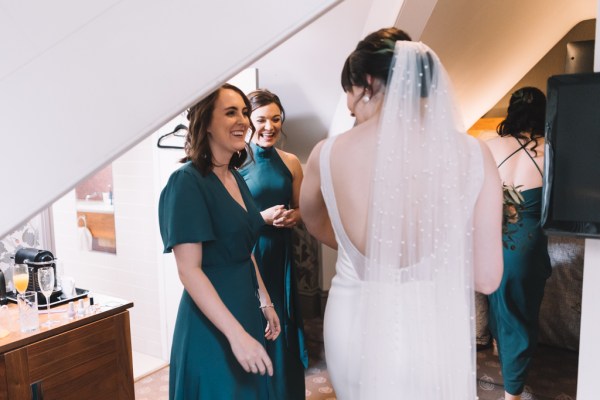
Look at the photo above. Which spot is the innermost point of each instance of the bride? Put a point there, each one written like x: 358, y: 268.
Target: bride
x: 413, y: 206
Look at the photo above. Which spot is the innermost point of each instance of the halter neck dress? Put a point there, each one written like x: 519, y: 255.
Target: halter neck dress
x: 270, y: 183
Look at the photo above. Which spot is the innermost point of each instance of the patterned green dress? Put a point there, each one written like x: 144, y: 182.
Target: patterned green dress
x: 194, y: 209
x: 270, y: 182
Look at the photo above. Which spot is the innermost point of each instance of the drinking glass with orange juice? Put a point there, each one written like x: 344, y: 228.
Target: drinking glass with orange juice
x: 21, y: 277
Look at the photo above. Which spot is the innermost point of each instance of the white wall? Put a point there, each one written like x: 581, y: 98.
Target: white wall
x: 305, y: 73
x: 133, y: 273
x: 414, y: 15
x: 589, y: 349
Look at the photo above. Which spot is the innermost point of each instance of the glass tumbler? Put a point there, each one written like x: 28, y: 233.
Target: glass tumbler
x: 4, y: 321
x: 28, y: 311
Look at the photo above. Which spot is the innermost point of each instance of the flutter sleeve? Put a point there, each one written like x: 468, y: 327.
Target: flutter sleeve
x: 183, y: 210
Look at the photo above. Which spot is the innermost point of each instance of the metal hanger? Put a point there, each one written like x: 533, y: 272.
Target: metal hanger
x: 177, y: 132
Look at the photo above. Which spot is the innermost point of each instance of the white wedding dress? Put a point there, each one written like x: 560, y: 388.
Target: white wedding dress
x: 383, y: 365
x: 388, y: 360
x: 399, y: 322
x: 342, y: 323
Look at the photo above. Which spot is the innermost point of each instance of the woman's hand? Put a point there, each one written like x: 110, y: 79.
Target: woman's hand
x: 273, y: 213
x: 287, y: 218
x: 273, y: 328
x: 251, y: 355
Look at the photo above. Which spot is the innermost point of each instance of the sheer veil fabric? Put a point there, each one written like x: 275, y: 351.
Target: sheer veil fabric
x: 417, y: 292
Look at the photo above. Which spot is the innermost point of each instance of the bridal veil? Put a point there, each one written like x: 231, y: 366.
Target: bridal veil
x: 418, y: 282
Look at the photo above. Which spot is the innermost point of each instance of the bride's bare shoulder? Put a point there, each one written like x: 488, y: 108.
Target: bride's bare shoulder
x: 357, y: 139
x: 313, y: 158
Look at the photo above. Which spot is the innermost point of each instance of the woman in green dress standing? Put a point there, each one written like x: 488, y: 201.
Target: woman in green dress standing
x: 209, y: 220
x: 274, y: 178
x: 514, y: 308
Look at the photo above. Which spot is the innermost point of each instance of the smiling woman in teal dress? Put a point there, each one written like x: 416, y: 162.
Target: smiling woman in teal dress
x: 514, y: 308
x: 274, y: 178
x: 209, y: 221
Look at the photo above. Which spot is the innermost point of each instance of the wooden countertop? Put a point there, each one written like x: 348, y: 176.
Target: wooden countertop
x: 106, y: 306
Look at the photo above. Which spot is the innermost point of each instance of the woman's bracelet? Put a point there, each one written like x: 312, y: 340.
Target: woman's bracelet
x: 270, y: 305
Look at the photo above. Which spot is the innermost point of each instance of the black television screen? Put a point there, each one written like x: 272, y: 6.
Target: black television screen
x: 571, y: 190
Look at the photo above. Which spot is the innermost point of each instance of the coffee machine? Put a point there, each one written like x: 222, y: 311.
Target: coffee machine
x: 36, y: 259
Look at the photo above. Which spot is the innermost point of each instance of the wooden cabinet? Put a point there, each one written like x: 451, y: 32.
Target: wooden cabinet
x: 89, y: 358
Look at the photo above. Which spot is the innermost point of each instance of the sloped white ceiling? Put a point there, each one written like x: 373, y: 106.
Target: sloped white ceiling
x: 488, y: 46
x: 81, y: 82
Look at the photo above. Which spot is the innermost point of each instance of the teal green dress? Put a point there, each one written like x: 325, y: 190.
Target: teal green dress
x: 270, y: 182
x: 194, y: 209
x: 514, y: 308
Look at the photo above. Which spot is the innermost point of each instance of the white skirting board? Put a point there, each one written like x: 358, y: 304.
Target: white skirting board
x: 144, y: 365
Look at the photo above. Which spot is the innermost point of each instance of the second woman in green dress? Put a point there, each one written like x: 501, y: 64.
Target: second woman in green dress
x: 274, y: 179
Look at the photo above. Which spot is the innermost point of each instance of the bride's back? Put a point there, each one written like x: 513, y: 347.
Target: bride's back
x: 410, y: 188
x: 352, y: 163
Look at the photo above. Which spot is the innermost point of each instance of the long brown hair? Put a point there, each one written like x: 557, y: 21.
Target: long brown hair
x: 197, y: 142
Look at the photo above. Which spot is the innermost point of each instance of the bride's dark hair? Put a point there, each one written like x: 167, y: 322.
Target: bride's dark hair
x: 372, y: 56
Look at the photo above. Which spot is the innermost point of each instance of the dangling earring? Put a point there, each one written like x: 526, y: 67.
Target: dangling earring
x: 239, y: 153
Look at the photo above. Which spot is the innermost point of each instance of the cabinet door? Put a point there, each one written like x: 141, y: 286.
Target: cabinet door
x: 91, y: 362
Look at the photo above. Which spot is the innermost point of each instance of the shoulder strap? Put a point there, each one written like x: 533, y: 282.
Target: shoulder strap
x: 526, y: 152
x: 522, y: 147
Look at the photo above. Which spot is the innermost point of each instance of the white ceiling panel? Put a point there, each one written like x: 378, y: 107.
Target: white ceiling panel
x: 81, y: 82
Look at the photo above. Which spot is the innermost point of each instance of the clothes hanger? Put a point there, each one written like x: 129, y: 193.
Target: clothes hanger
x: 177, y: 133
